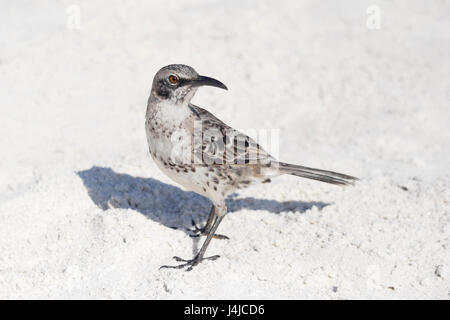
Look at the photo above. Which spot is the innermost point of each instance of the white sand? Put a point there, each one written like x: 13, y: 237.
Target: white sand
x: 85, y: 213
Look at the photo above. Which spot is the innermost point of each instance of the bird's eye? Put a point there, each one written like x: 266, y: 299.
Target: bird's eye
x: 173, y: 79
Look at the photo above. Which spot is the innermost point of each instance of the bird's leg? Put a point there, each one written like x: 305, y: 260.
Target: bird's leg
x: 209, y: 223
x: 205, y: 230
x: 199, y: 257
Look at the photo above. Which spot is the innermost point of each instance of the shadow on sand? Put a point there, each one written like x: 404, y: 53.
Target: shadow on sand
x: 166, y: 204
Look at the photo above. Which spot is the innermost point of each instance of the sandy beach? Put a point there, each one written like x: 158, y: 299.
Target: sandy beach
x: 86, y: 213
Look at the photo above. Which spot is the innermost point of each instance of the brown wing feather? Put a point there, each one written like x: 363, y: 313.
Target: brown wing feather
x: 221, y: 144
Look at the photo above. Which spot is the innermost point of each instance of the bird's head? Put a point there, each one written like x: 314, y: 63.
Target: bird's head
x: 178, y: 83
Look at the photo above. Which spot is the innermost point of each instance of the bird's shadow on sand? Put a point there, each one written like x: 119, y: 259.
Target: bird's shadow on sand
x: 167, y: 204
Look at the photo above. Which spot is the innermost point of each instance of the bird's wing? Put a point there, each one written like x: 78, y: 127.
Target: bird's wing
x: 221, y: 144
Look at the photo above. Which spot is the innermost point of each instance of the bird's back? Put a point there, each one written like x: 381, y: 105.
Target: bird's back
x: 225, y: 145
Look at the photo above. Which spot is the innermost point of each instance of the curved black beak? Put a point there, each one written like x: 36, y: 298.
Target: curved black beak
x: 207, y: 81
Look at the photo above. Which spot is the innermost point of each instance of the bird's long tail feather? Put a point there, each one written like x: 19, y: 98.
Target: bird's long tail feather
x: 316, y: 174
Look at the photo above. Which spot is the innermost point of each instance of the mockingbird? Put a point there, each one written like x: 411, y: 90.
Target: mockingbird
x: 203, y: 154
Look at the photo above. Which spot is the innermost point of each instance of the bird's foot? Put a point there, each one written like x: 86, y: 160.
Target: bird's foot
x: 197, y: 232
x: 189, y: 264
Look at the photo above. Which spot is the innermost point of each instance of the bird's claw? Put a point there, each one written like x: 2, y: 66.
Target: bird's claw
x: 197, y: 232
x: 188, y: 263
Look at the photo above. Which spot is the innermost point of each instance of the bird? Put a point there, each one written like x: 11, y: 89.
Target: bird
x: 204, y: 155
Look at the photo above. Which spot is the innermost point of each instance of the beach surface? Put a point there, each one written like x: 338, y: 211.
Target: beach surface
x: 344, y: 85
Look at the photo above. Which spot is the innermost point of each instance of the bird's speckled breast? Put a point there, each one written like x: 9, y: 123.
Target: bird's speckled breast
x: 170, y: 144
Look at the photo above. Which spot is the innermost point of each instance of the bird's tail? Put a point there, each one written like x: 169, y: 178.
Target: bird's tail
x: 316, y: 174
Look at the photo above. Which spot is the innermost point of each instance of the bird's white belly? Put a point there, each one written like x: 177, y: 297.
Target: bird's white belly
x: 173, y: 157
x: 191, y: 181
x: 171, y: 147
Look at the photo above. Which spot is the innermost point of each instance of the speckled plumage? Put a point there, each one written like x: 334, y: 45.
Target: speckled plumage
x: 202, y: 153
